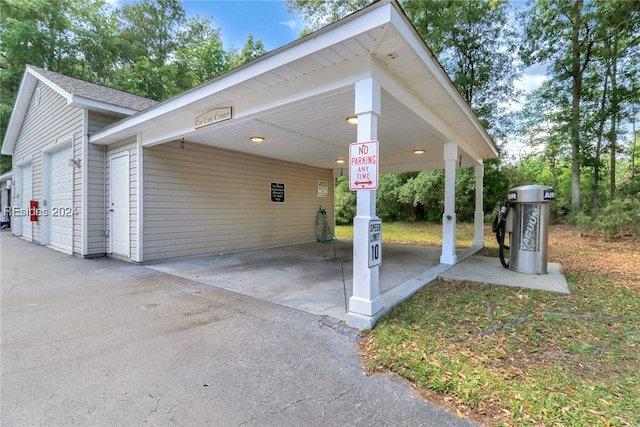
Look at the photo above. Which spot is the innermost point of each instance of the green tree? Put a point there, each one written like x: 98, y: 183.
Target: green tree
x: 68, y: 36
x: 474, y: 40
x: 589, y: 49
x: 149, y: 28
x: 147, y: 41
x: 201, y: 53
x: 251, y: 50
x: 560, y: 32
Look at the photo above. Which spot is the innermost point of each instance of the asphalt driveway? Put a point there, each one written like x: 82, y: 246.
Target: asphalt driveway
x: 100, y: 342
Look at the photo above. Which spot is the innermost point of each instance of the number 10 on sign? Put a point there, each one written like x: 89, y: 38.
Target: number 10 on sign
x: 375, y: 242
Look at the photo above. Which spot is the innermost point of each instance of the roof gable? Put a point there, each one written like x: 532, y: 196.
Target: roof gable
x: 78, y: 93
x: 93, y: 92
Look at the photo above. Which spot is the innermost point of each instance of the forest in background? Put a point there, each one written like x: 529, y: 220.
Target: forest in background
x: 576, y: 132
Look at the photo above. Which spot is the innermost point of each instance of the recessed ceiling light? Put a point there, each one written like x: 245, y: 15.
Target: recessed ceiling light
x: 256, y: 139
x: 340, y: 160
x: 419, y: 151
x: 353, y: 120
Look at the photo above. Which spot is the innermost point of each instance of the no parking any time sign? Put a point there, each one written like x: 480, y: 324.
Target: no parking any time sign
x: 363, y: 165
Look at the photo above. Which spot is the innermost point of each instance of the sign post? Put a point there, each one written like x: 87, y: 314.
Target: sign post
x: 363, y: 166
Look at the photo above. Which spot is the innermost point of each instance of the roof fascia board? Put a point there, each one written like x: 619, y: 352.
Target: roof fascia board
x: 345, y: 29
x: 408, y: 32
x: 23, y: 98
x: 92, y: 104
x: 66, y: 95
x: 311, y: 85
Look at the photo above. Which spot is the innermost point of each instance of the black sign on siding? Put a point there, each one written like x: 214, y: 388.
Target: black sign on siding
x: 277, y: 192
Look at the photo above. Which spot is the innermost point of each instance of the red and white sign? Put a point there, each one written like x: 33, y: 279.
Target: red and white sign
x: 363, y: 165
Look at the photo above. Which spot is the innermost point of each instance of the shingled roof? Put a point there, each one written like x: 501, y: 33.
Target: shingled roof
x: 78, y: 93
x: 96, y: 92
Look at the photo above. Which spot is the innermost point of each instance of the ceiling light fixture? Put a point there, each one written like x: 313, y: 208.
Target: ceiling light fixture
x: 419, y: 151
x: 353, y: 120
x: 340, y: 160
x: 256, y: 139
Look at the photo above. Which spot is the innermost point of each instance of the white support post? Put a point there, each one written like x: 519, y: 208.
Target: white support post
x: 366, y: 300
x: 449, y: 217
x: 478, y: 217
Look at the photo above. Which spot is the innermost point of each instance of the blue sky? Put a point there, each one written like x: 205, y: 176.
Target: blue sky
x: 267, y: 20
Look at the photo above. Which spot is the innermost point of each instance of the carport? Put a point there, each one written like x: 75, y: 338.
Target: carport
x: 372, y: 66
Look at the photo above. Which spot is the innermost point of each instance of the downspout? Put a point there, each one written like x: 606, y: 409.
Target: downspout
x: 73, y: 197
x: 104, y: 193
x: 140, y: 201
x: 85, y: 183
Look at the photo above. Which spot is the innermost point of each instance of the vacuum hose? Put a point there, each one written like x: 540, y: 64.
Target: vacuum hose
x: 499, y: 227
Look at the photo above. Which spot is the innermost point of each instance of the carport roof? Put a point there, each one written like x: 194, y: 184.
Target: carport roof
x: 299, y: 96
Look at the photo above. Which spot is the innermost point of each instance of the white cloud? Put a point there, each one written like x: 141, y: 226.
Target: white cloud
x: 292, y: 24
x: 532, y: 78
x: 530, y: 82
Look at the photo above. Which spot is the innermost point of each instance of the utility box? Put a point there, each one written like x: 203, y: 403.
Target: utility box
x: 529, y: 238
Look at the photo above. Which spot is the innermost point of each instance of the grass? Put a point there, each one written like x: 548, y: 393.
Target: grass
x: 414, y: 233
x: 511, y: 356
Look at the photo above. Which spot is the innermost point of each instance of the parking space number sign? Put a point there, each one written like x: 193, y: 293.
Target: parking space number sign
x: 375, y: 242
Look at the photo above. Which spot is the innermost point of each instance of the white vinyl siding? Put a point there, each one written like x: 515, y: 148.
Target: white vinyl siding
x: 47, y: 122
x: 202, y: 199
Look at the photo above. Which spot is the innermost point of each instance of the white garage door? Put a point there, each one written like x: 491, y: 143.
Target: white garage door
x: 61, y: 206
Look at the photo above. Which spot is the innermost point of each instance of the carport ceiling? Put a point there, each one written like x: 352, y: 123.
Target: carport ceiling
x: 299, y: 96
x: 316, y: 133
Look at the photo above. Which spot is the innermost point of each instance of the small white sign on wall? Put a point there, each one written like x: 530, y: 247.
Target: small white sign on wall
x: 213, y: 116
x: 323, y: 189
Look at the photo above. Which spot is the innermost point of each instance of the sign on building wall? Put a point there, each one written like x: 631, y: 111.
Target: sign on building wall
x: 323, y: 189
x: 213, y: 116
x: 277, y: 192
x: 363, y: 165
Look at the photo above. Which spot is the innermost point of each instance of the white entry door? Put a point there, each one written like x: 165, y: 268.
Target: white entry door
x: 119, y: 204
x: 61, y: 206
x: 24, y: 195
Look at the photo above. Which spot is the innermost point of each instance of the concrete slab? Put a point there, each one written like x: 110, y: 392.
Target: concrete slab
x: 489, y: 270
x: 313, y: 277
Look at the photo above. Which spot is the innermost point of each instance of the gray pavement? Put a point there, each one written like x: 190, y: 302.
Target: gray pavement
x: 100, y: 342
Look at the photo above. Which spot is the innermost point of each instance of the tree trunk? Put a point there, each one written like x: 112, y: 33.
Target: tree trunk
x: 614, y: 116
x: 633, y: 146
x: 576, y: 71
x: 600, y: 136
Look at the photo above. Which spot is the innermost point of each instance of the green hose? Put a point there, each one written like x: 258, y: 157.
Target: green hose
x: 323, y: 231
